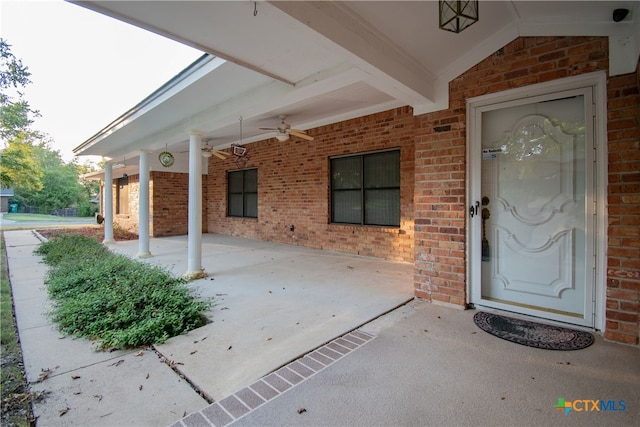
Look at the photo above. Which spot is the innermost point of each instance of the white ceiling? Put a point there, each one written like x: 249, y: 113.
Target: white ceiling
x: 326, y: 61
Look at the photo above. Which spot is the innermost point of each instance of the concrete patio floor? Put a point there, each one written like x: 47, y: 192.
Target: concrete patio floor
x: 273, y: 303
x: 420, y: 364
x: 429, y: 365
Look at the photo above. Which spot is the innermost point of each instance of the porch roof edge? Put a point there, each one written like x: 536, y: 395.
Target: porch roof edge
x: 195, y: 66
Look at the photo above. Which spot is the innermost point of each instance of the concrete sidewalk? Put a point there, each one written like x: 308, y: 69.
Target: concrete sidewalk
x: 274, y: 304
x: 82, y: 386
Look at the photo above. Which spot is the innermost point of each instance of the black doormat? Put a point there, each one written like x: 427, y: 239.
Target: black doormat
x: 532, y: 334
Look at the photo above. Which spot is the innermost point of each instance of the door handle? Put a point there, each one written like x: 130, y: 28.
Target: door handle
x: 473, y: 209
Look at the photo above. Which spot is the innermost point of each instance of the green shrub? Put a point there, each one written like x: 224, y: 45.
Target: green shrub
x: 115, y: 300
x: 86, y: 208
x: 62, y: 248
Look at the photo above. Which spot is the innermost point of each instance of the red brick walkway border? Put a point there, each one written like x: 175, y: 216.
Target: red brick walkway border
x: 241, y: 403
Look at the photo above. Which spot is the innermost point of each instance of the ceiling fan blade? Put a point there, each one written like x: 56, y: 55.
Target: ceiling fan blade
x: 300, y: 134
x: 219, y: 155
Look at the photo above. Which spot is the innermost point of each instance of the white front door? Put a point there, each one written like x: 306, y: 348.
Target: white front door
x: 533, y: 211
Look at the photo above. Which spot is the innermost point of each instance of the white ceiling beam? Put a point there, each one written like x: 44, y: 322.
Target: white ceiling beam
x: 251, y: 104
x: 392, y: 70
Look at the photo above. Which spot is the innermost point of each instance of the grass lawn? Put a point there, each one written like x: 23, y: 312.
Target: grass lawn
x: 25, y: 217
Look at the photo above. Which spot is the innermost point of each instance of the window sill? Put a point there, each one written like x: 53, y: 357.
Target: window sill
x: 366, y: 228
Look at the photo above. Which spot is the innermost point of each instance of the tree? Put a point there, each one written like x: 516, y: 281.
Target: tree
x: 15, y: 112
x: 91, y: 186
x: 60, y: 187
x: 37, y: 173
x: 18, y: 166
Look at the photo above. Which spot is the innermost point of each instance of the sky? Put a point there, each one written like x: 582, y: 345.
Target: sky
x: 87, y: 69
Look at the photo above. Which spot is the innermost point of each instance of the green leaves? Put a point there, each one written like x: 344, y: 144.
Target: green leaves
x: 36, y: 172
x: 15, y: 112
x: 113, y: 299
x: 41, y: 178
x: 19, y: 167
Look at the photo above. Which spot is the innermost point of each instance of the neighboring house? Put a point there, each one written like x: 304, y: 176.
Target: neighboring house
x: 503, y: 162
x: 5, y: 195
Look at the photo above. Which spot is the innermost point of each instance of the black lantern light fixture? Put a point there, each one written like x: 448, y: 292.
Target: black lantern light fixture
x: 457, y: 15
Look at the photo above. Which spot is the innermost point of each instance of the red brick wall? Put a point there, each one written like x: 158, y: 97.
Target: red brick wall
x: 623, y: 269
x: 168, y: 205
x: 169, y: 209
x: 293, y: 188
x: 441, y: 164
x: 440, y: 207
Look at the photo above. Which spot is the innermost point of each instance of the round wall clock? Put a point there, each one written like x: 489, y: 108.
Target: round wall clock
x: 166, y: 159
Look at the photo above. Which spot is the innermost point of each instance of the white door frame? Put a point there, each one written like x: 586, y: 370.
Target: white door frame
x: 598, y: 82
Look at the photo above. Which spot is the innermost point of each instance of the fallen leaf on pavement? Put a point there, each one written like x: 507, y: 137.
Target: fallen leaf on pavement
x: 44, y: 373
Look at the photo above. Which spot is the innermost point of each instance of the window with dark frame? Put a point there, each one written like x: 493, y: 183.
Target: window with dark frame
x: 365, y: 189
x: 242, y: 191
x: 122, y: 196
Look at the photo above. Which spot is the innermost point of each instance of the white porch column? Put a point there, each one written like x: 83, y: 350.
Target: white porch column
x: 108, y: 204
x: 194, y: 254
x: 143, y: 207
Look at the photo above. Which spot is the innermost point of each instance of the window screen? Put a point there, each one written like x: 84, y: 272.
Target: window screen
x: 243, y: 193
x: 365, y: 189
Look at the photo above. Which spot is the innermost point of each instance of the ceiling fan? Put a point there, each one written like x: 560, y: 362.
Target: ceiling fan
x: 208, y: 151
x: 284, y: 130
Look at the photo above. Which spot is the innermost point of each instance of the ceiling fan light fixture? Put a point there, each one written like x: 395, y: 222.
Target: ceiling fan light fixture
x: 206, y: 154
x: 456, y: 15
x: 282, y: 136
